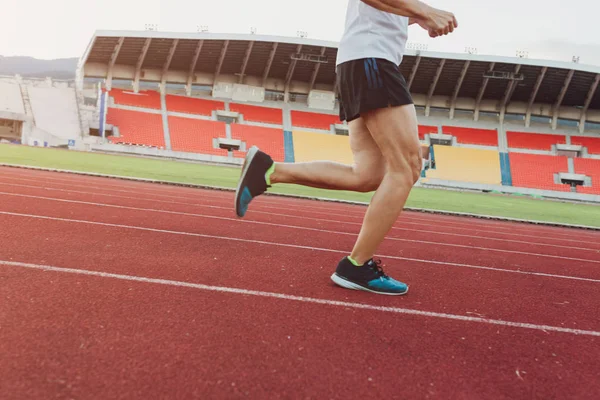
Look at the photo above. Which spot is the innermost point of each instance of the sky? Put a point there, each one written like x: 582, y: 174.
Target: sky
x: 550, y: 29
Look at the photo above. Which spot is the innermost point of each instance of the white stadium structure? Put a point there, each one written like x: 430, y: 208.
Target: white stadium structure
x: 495, y: 123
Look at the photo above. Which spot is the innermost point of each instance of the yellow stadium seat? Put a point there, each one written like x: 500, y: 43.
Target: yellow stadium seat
x: 310, y: 146
x: 466, y: 165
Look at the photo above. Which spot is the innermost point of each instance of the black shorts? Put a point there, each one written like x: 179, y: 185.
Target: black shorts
x: 368, y: 84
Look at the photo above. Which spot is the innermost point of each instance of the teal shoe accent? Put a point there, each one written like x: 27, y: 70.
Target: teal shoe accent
x: 245, y: 200
x: 387, y: 284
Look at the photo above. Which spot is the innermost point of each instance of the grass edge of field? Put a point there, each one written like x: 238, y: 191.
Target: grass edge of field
x: 181, y: 172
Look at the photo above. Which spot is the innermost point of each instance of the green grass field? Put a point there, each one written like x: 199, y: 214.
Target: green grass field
x: 183, y: 172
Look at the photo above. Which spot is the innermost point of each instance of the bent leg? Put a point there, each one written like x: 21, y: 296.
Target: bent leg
x: 364, y: 175
x: 394, y: 129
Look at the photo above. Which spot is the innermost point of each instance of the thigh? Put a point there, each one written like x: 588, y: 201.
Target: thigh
x: 395, y: 132
x: 366, y: 153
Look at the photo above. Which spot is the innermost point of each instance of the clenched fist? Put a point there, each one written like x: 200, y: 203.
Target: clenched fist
x: 438, y: 22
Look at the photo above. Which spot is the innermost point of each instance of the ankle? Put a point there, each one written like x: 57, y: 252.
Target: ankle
x: 277, y: 175
x: 357, y: 260
x: 269, y: 175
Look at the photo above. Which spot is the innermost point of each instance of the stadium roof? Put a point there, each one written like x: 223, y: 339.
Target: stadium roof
x: 299, y: 64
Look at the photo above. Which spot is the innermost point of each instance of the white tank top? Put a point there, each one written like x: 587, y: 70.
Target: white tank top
x: 372, y: 33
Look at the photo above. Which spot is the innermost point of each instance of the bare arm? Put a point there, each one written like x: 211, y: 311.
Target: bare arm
x: 414, y: 9
x: 436, y: 22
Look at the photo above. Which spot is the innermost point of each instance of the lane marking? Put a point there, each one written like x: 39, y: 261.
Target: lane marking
x: 312, y: 219
x: 345, y: 304
x: 238, y: 220
x: 295, y: 246
x: 481, y: 219
x: 351, y: 208
x: 403, y: 219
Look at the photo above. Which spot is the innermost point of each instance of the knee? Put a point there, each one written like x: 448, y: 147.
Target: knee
x: 416, y: 165
x: 368, y: 181
x: 408, y: 166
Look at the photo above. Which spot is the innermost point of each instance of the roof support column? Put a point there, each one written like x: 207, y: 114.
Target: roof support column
x: 220, y: 62
x: 413, y: 72
x: 481, y: 92
x: 111, y: 64
x: 510, y: 88
x: 588, y: 101
x: 80, y: 72
x: 290, y: 74
x: 167, y: 64
x: 245, y: 62
x: 269, y: 63
x: 461, y: 79
x: 561, y: 97
x: 536, y: 88
x: 138, y: 66
x: 436, y: 78
x: 313, y: 78
x: 190, y: 78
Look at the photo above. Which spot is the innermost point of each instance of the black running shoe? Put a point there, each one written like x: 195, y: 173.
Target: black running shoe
x: 252, y: 182
x: 369, y: 277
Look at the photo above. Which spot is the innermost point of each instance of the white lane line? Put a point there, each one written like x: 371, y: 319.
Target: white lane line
x: 294, y: 246
x: 351, y: 209
x: 479, y: 237
x: 246, y: 221
x: 358, y: 218
x: 345, y: 304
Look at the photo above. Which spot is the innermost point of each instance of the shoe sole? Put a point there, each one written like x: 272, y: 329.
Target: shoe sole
x: 247, y: 161
x: 338, y: 280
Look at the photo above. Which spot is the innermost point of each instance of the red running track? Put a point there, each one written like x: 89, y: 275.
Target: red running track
x: 503, y: 310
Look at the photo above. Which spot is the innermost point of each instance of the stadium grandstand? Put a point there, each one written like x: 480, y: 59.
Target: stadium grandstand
x: 492, y: 123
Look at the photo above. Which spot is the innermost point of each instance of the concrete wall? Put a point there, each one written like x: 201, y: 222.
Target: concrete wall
x: 443, y: 184
x: 10, y: 98
x: 55, y: 111
x: 155, y: 152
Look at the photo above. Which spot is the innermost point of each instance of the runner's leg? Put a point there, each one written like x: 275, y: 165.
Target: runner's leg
x: 364, y: 175
x: 394, y: 129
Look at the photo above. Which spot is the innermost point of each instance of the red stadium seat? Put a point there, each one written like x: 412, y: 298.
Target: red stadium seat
x: 303, y: 119
x: 143, y: 99
x: 137, y: 128
x: 591, y: 168
x: 426, y: 130
x: 192, y: 105
x: 592, y: 143
x: 481, y: 137
x: 537, y: 171
x: 196, y: 135
x: 534, y: 141
x: 265, y: 115
x: 268, y: 139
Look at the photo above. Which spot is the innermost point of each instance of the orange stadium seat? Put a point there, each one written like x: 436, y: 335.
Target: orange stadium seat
x: 268, y: 139
x: 537, y: 171
x: 303, y: 119
x: 143, y: 99
x: 534, y: 141
x: 265, y: 115
x: 591, y: 168
x: 138, y: 128
x: 592, y: 143
x: 192, y: 105
x: 481, y: 137
x: 425, y: 130
x: 196, y: 135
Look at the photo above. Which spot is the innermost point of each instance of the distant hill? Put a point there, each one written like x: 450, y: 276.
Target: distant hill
x: 63, y: 68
